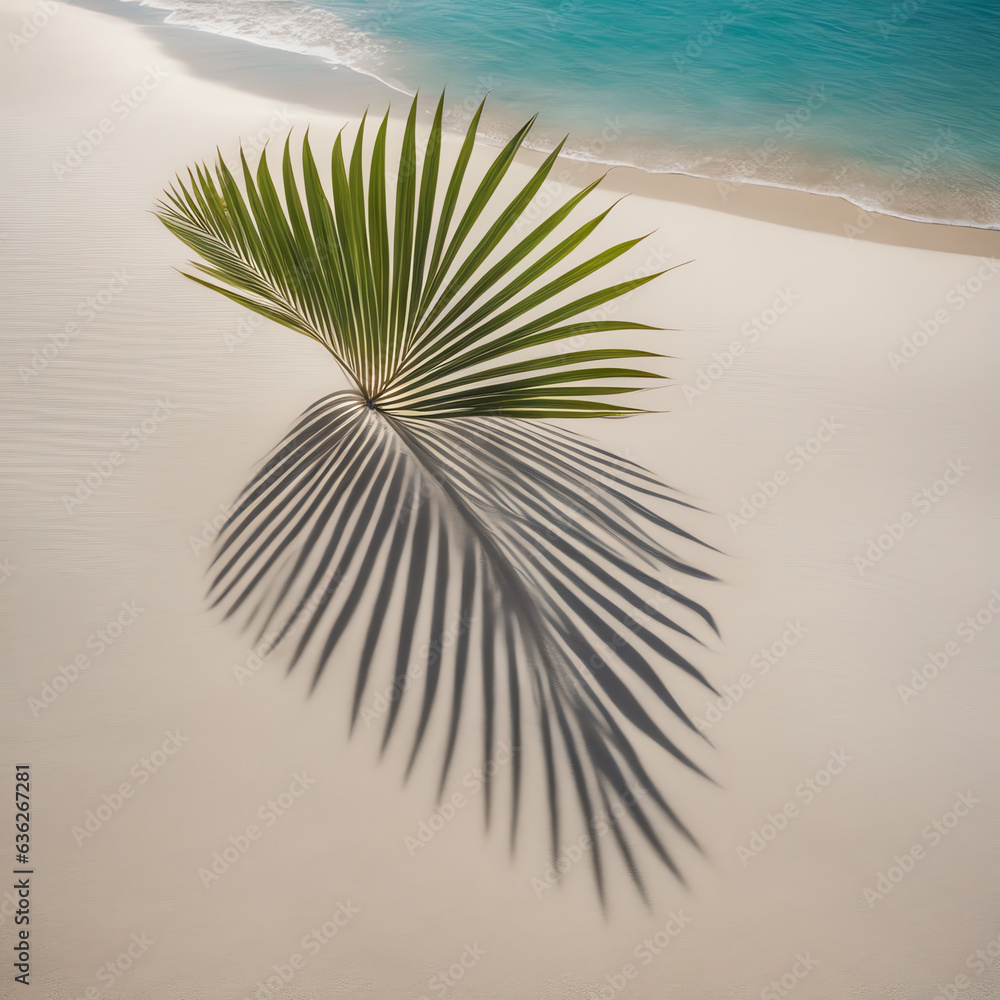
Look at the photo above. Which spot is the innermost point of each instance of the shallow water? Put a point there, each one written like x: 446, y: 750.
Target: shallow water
x: 892, y: 105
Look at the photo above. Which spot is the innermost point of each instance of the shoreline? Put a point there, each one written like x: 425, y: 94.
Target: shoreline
x: 303, y: 79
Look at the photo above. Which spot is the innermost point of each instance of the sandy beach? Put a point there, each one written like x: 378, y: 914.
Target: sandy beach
x: 830, y: 406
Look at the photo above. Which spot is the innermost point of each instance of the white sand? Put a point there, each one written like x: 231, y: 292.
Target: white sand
x: 161, y: 339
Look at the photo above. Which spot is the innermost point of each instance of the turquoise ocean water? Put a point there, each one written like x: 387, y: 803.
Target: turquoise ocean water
x: 895, y: 105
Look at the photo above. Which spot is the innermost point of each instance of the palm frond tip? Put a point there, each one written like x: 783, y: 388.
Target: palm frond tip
x: 415, y: 492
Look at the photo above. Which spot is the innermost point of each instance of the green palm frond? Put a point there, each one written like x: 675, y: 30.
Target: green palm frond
x: 418, y: 493
x: 417, y: 312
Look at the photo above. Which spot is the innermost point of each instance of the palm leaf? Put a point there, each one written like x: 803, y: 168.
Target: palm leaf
x: 430, y: 493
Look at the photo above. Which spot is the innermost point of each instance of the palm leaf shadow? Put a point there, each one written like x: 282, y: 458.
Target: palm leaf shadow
x: 431, y: 495
x: 537, y: 547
